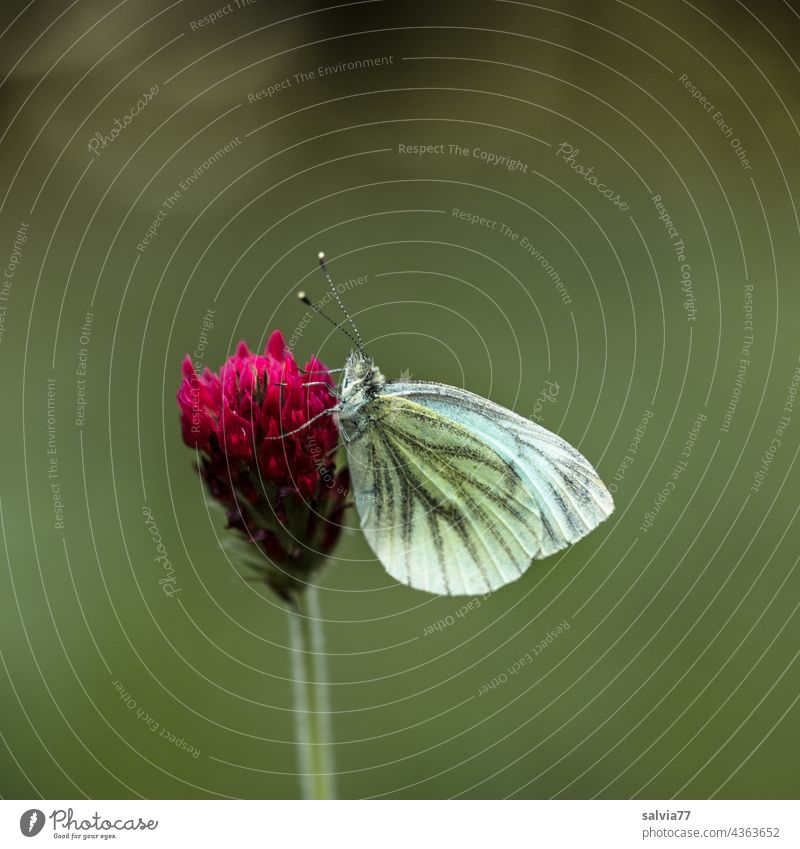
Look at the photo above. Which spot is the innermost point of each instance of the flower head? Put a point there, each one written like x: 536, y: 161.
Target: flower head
x: 266, y: 450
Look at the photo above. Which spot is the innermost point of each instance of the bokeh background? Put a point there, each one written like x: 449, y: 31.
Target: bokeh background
x: 677, y: 675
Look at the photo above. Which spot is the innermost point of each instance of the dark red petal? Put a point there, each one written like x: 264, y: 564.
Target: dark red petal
x: 187, y: 367
x: 276, y: 346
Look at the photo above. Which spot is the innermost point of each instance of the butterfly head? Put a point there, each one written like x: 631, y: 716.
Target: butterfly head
x: 362, y: 381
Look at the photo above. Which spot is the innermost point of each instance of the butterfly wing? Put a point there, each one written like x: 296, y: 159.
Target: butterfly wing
x: 569, y: 495
x: 444, y: 511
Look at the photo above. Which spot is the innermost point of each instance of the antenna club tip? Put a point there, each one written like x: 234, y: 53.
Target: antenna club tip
x: 302, y: 296
x: 321, y: 255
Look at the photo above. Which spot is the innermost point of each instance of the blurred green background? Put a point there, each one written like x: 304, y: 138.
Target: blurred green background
x: 678, y: 673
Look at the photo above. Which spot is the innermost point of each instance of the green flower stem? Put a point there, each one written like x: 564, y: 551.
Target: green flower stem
x: 311, y: 705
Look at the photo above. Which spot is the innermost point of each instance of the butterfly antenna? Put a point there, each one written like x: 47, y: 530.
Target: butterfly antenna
x: 302, y: 296
x: 324, y: 266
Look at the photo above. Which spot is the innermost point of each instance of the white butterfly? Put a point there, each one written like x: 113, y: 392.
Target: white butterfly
x: 457, y: 495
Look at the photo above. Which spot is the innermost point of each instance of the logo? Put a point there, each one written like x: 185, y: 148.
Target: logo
x: 31, y: 822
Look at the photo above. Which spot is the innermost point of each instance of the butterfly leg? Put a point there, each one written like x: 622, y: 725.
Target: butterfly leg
x: 335, y: 392
x: 327, y: 412
x: 320, y: 370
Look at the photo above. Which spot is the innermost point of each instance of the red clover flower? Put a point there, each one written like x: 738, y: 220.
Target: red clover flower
x: 283, y: 495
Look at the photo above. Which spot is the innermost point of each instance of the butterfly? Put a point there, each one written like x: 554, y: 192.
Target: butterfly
x: 456, y: 495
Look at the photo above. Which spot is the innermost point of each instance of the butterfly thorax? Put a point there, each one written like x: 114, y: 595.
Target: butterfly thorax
x: 362, y: 383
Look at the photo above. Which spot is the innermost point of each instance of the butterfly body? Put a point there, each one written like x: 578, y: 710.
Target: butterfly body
x: 362, y: 383
x: 457, y: 495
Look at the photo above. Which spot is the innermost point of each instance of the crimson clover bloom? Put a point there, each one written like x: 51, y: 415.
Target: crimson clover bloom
x: 283, y: 496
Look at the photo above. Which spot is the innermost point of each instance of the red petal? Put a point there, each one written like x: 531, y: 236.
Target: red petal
x: 276, y: 346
